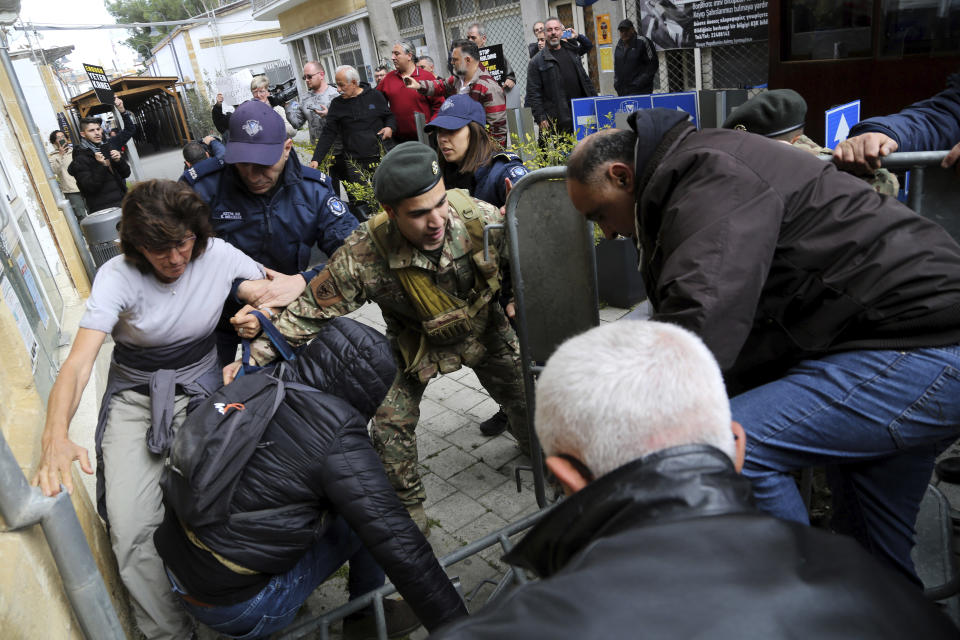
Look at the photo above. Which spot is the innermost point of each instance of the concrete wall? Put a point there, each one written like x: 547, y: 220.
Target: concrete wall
x: 312, y: 14
x: 32, y: 601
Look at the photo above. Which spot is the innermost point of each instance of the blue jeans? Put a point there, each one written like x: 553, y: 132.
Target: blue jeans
x: 275, y: 606
x: 875, y: 419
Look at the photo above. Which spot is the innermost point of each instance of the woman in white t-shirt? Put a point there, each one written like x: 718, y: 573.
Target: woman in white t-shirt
x: 160, y: 301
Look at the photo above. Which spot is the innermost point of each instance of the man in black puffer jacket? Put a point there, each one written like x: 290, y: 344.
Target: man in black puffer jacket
x: 313, y: 495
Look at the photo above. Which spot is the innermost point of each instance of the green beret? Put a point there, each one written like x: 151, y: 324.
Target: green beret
x: 409, y: 170
x: 772, y: 113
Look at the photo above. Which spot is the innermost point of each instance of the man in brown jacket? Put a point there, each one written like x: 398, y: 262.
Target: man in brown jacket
x: 833, y: 312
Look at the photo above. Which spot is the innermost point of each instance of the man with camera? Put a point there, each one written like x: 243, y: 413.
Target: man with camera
x: 98, y: 166
x: 60, y: 158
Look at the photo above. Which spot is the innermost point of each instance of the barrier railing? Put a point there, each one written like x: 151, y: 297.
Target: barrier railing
x: 321, y: 624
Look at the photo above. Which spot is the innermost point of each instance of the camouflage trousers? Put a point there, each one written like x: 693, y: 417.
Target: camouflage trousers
x: 395, y: 423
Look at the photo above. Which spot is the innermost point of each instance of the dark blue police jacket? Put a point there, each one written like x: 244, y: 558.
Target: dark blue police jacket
x: 489, y: 179
x: 276, y: 229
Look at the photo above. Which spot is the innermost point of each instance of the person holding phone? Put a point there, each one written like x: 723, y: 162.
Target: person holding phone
x: 98, y: 166
x: 60, y: 158
x: 555, y: 76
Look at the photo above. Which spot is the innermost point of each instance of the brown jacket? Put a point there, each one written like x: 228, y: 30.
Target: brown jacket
x: 771, y: 255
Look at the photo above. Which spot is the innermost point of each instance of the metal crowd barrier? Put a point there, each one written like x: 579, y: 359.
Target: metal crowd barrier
x: 554, y: 281
x: 513, y: 575
x: 933, y: 192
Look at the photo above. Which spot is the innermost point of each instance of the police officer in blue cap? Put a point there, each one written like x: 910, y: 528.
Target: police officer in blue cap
x: 270, y: 206
x: 469, y: 157
x: 472, y: 160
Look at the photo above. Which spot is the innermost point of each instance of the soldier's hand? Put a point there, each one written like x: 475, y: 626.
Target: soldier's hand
x: 951, y: 159
x: 861, y: 154
x: 230, y: 372
x: 508, y: 187
x: 281, y: 289
x: 511, y: 310
x: 245, y: 323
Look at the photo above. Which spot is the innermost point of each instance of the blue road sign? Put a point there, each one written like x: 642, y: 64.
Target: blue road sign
x: 607, y: 108
x: 681, y: 102
x: 839, y: 121
x: 584, y: 112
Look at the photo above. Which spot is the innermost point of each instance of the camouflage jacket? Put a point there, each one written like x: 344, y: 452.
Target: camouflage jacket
x: 358, y: 273
x: 882, y: 181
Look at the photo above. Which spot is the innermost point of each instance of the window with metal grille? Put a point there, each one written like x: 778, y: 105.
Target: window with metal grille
x: 321, y: 42
x: 408, y: 16
x: 345, y: 34
x: 354, y: 58
x: 301, y: 52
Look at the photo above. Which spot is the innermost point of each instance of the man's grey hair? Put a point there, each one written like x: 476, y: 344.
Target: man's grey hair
x: 479, y: 27
x: 427, y: 58
x: 624, y: 390
x: 258, y: 82
x: 407, y: 46
x: 552, y: 19
x: 350, y: 73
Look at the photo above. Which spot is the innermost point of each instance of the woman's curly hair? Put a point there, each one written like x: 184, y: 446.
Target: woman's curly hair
x: 156, y: 215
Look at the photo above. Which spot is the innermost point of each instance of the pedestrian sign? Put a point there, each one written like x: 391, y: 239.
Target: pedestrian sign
x: 839, y: 121
x: 584, y: 116
x: 686, y: 101
x: 609, y: 107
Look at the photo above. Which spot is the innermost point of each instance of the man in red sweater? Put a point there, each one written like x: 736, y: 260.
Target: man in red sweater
x: 403, y: 102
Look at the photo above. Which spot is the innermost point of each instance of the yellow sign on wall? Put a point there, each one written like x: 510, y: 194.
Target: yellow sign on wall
x: 606, y: 58
x: 604, y: 36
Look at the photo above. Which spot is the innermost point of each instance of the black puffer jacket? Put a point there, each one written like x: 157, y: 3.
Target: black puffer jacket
x: 316, y: 458
x: 772, y: 256
x: 669, y: 546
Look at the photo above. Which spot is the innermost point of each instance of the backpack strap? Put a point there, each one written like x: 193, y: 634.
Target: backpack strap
x: 270, y: 330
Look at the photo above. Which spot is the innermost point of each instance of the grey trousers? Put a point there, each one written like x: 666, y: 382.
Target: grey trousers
x: 135, y: 510
x: 79, y: 206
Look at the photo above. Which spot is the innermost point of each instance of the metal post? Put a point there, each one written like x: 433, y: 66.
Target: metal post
x: 131, y: 148
x: 421, y: 122
x: 23, y: 506
x: 62, y: 202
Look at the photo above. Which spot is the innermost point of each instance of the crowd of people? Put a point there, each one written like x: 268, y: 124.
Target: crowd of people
x: 802, y: 317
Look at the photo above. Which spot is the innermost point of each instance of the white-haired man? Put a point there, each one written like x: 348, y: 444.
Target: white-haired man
x: 659, y: 537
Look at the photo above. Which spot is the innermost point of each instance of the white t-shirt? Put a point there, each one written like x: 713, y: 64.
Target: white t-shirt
x: 141, y: 311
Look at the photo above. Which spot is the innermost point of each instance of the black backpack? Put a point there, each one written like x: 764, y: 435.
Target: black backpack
x: 214, y: 443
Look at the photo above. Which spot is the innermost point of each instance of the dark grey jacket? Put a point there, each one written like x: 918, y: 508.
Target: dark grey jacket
x: 670, y: 546
x: 545, y: 94
x: 635, y: 66
x: 771, y: 255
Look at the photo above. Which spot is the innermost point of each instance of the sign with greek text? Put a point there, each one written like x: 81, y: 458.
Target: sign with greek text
x: 100, y: 83
x: 493, y: 60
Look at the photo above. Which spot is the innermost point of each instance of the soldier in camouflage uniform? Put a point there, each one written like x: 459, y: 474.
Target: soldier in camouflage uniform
x: 780, y: 115
x: 421, y: 260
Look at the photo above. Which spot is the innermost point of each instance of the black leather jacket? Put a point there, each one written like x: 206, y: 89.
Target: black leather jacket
x: 670, y: 546
x: 316, y: 458
x: 545, y: 94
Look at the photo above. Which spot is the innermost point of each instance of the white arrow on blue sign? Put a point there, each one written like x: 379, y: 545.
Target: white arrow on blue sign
x: 681, y: 102
x: 839, y: 121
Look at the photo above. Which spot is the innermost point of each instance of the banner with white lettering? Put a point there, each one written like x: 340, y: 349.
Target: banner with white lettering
x: 704, y: 23
x: 493, y: 60
x: 100, y: 83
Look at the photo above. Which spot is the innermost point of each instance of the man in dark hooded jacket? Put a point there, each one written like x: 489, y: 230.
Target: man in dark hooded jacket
x: 312, y: 496
x: 834, y: 312
x: 659, y: 538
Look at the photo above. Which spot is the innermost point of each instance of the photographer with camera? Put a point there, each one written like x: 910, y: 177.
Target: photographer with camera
x: 60, y: 158
x: 98, y: 166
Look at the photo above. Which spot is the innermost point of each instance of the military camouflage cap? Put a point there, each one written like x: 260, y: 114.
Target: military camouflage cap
x: 410, y: 169
x: 772, y: 113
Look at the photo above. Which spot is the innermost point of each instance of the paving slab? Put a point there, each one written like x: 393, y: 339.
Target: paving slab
x: 477, y: 480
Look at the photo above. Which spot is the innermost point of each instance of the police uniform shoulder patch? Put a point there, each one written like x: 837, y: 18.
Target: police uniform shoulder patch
x: 336, y: 206
x: 324, y: 289
x: 518, y: 171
